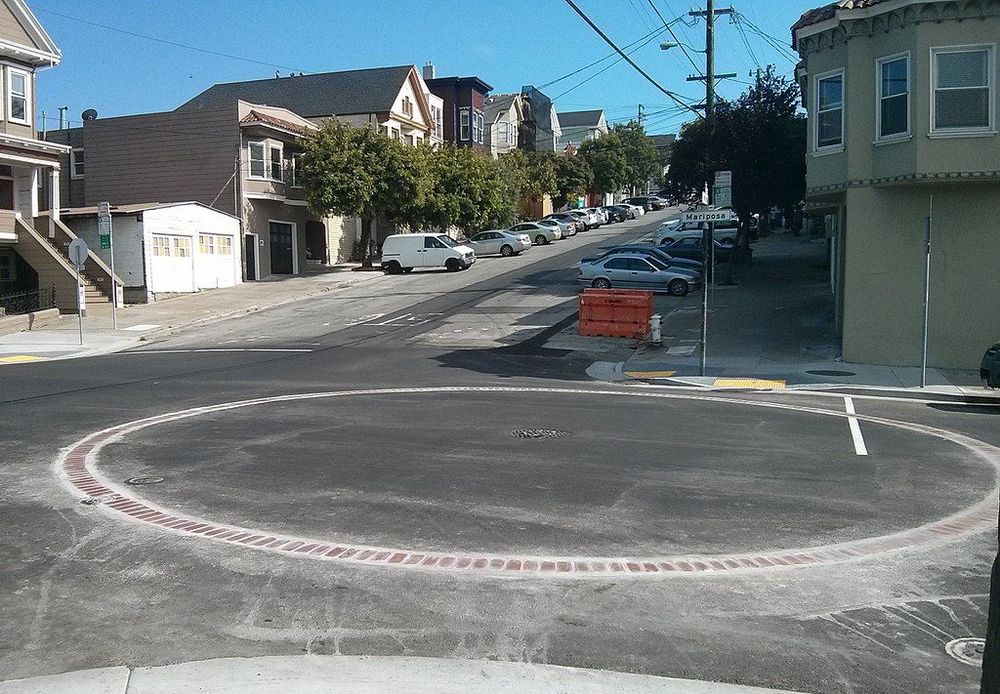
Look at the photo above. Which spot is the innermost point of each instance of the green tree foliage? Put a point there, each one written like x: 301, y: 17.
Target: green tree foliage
x: 641, y: 159
x: 606, y: 158
x: 573, y: 178
x: 541, y: 174
x: 360, y: 172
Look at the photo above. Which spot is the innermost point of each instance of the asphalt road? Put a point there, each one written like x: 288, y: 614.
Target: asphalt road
x: 441, y: 471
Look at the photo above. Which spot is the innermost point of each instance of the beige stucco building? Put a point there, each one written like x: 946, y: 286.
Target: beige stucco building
x: 902, y: 100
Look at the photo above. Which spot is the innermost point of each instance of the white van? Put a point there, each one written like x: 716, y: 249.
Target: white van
x: 403, y: 252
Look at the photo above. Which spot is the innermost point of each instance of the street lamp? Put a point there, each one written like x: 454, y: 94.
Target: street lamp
x: 667, y: 45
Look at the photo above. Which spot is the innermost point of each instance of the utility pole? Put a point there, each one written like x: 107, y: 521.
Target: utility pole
x: 642, y: 114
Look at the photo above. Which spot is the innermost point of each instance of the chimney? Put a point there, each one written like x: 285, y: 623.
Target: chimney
x: 62, y: 117
x: 429, y: 71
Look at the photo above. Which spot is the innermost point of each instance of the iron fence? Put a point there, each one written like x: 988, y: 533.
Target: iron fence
x: 26, y: 302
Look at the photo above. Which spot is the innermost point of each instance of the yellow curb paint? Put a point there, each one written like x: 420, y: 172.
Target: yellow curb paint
x: 762, y: 383
x: 650, y: 374
x: 18, y: 358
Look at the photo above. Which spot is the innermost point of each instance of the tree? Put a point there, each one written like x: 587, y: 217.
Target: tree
x: 468, y: 190
x: 641, y: 159
x: 360, y: 172
x: 573, y: 178
x: 606, y: 158
x: 541, y: 174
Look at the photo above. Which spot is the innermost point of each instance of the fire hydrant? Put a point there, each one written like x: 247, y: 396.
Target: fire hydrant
x: 655, y: 331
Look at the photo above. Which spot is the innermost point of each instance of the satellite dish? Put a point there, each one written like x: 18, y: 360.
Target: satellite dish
x: 90, y: 114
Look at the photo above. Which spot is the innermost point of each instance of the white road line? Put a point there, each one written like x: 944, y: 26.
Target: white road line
x: 219, y: 349
x: 852, y: 422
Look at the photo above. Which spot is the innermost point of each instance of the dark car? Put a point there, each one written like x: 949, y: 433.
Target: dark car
x: 650, y: 251
x: 691, y: 249
x: 626, y: 210
x: 989, y: 369
x: 646, y: 202
x: 615, y: 214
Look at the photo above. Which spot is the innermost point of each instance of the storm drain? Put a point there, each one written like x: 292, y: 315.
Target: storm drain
x: 822, y: 372
x: 967, y: 650
x: 539, y: 433
x: 139, y: 481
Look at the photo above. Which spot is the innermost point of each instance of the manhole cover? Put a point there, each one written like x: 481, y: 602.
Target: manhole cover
x: 967, y: 650
x: 539, y: 433
x: 822, y: 372
x: 143, y: 480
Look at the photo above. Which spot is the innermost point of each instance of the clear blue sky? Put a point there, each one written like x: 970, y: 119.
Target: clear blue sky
x: 507, y: 43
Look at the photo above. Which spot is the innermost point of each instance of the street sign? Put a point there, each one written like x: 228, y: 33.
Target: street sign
x: 708, y: 216
x: 722, y: 191
x: 724, y: 178
x: 104, y: 224
x: 78, y: 252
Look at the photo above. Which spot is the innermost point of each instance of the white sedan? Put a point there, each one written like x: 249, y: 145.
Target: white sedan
x: 541, y: 235
x: 499, y: 242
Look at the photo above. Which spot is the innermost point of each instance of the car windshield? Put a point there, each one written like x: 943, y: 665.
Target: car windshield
x: 447, y: 240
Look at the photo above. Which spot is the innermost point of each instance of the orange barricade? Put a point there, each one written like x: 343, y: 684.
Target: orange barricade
x: 615, y: 313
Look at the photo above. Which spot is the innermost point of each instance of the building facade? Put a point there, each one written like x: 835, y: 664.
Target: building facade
x: 504, y: 114
x: 464, y: 104
x: 542, y: 132
x: 902, y: 100
x: 579, y: 126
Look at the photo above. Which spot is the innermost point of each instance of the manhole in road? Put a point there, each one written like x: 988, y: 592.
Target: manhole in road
x: 139, y: 481
x: 967, y: 650
x: 539, y: 433
x: 824, y: 372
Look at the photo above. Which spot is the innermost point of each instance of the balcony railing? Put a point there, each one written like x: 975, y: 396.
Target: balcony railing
x: 26, y: 302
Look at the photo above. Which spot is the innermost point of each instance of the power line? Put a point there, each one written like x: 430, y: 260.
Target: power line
x: 679, y: 42
x: 631, y: 62
x: 600, y: 60
x: 774, y: 42
x: 604, y: 69
x: 746, y: 42
x: 176, y: 44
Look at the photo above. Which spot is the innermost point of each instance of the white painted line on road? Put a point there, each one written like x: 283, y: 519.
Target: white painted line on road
x: 852, y: 422
x: 142, y: 326
x: 216, y: 349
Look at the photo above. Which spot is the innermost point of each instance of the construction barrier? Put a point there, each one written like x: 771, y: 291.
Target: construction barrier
x: 615, y: 313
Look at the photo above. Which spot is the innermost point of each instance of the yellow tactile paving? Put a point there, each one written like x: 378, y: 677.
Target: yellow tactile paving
x: 18, y: 358
x: 761, y: 383
x: 650, y: 374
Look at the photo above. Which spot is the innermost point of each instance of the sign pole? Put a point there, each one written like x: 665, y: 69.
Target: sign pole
x: 79, y: 302
x: 77, y: 252
x: 927, y: 291
x: 107, y: 243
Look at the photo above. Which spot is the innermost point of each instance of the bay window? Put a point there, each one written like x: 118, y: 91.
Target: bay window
x: 962, y: 79
x: 893, y: 97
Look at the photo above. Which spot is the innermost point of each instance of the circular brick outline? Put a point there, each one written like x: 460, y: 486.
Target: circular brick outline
x: 75, y: 467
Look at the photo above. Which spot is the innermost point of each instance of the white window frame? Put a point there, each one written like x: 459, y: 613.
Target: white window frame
x: 465, y: 124
x: 264, y: 159
x: 908, y: 133
x: 294, y: 170
x: 271, y: 147
x: 503, y: 132
x: 161, y: 250
x: 27, y: 96
x: 991, y: 75
x: 840, y: 146
x: 73, y: 174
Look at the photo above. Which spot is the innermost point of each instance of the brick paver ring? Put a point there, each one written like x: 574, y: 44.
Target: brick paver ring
x: 76, y: 466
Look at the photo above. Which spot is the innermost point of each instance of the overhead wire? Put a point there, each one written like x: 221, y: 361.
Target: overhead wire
x: 599, y: 60
x: 675, y: 37
x: 604, y: 69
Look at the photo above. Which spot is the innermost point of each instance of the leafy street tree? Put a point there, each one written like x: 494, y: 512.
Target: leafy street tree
x: 606, y: 158
x: 573, y: 178
x: 360, y: 172
x: 641, y: 158
x: 541, y: 174
x: 468, y: 190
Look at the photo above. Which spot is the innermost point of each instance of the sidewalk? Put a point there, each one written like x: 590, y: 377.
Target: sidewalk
x: 137, y: 322
x: 774, y: 329
x: 310, y: 674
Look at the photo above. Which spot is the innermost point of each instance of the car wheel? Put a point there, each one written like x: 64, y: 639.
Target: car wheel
x: 452, y: 265
x: 393, y: 268
x: 407, y: 269
x: 665, y: 241
x: 601, y: 283
x: 541, y: 240
x: 506, y: 251
x: 677, y: 288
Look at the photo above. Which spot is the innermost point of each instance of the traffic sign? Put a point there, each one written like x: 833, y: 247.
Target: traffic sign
x: 724, y: 178
x: 78, y: 252
x: 722, y: 196
x: 708, y: 216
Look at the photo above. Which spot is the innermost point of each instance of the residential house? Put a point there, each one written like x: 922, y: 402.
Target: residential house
x: 233, y: 156
x: 464, y: 103
x: 504, y: 115
x: 34, y: 266
x: 396, y: 100
x: 543, y: 132
x: 902, y: 104
x: 579, y: 126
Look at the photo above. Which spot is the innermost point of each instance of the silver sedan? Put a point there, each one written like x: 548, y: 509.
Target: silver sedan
x: 538, y: 233
x: 499, y: 242
x: 635, y: 272
x: 567, y: 228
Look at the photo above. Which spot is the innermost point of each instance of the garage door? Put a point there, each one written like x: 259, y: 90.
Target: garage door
x: 172, y: 264
x: 214, y: 264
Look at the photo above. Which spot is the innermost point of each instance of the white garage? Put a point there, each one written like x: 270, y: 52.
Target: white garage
x: 165, y: 248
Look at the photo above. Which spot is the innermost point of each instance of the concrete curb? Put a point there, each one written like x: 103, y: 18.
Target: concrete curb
x: 313, y: 674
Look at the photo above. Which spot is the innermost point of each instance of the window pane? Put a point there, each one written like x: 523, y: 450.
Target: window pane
x: 894, y: 78
x: 962, y: 108
x: 831, y: 92
x: 829, y: 128
x: 968, y: 69
x: 17, y: 84
x: 276, y: 164
x: 18, y: 108
x: 894, y: 116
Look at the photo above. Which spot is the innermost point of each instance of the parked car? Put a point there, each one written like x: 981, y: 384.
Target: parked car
x: 599, y: 214
x: 646, y: 202
x: 403, y: 252
x: 567, y: 228
x: 587, y: 220
x: 615, y: 214
x: 653, y: 251
x: 499, y: 242
x: 691, y: 248
x: 540, y: 234
x: 627, y: 271
x: 639, y: 210
x: 629, y: 211
x: 672, y: 231
x: 565, y: 217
